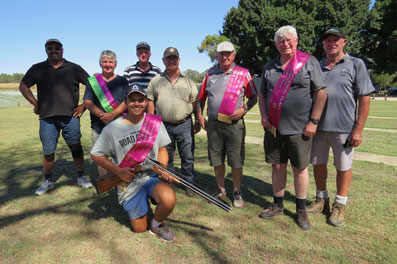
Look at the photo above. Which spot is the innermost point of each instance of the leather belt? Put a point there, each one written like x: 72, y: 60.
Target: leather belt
x: 179, y: 122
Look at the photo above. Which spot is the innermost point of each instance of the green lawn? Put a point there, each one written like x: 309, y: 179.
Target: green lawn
x: 70, y: 225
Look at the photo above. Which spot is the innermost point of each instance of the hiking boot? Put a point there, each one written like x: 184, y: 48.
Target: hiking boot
x: 221, y: 194
x: 237, y: 199
x: 337, y: 214
x: 163, y: 232
x: 83, y: 182
x: 302, y: 219
x: 271, y: 211
x: 189, y: 193
x: 321, y: 205
x: 45, y: 187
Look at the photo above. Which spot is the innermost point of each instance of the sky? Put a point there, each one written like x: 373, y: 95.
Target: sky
x: 88, y: 27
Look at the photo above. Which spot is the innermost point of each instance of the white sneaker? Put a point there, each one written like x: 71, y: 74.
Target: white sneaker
x: 47, y: 185
x: 83, y: 182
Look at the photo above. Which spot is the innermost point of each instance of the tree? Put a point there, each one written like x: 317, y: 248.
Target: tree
x: 381, y: 37
x: 251, y: 26
x: 195, y: 75
x: 209, y: 45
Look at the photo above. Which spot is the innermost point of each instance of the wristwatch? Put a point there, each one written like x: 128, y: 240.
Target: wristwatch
x: 315, y: 121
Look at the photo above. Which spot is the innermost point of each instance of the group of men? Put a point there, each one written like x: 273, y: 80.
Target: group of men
x: 306, y: 107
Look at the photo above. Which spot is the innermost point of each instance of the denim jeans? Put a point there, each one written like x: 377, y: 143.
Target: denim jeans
x: 182, y: 137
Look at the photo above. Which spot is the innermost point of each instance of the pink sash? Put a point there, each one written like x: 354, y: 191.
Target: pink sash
x: 232, y: 93
x: 145, y: 141
x: 283, y: 85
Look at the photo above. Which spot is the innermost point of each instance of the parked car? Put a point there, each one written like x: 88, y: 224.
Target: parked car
x: 392, y: 91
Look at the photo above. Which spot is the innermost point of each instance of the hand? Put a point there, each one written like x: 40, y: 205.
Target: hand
x: 237, y: 114
x: 106, y: 118
x: 356, y: 137
x: 266, y: 123
x: 79, y: 110
x: 126, y: 174
x: 202, y: 122
x: 35, y: 109
x: 197, y: 127
x: 165, y: 176
x: 310, y: 129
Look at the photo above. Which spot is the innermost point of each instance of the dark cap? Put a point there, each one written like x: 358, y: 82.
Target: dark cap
x: 134, y: 88
x: 170, y: 51
x: 143, y: 44
x: 334, y: 31
x: 52, y: 41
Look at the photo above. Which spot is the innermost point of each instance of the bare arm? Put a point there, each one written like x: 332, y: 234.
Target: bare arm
x: 363, y: 110
x: 109, y: 117
x: 27, y: 93
x: 150, y: 107
x: 200, y: 106
x: 241, y: 111
x: 320, y: 99
x: 125, y: 174
x: 262, y: 109
x: 163, y: 159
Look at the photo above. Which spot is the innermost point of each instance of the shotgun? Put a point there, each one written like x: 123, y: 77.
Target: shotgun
x: 108, y: 181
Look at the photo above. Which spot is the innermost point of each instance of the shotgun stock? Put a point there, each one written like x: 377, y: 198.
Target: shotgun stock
x: 108, y: 181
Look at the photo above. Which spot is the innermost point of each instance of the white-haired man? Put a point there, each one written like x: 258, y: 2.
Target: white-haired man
x: 291, y: 101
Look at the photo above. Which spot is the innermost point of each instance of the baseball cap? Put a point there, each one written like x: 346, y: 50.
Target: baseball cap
x: 225, y: 46
x: 334, y: 31
x: 143, y: 44
x: 53, y: 41
x: 134, y: 88
x: 170, y: 51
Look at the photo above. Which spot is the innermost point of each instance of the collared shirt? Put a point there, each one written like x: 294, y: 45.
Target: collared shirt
x: 214, y: 87
x: 57, y: 89
x: 172, y: 102
x: 297, y: 107
x: 346, y: 81
x: 134, y: 74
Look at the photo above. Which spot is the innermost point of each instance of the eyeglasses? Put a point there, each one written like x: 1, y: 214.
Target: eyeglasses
x: 287, y: 41
x: 54, y: 48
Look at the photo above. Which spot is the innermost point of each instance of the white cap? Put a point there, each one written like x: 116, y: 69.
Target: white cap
x: 225, y: 46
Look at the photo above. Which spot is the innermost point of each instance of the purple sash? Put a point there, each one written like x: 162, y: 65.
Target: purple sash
x: 283, y: 85
x: 145, y: 141
x: 232, y: 93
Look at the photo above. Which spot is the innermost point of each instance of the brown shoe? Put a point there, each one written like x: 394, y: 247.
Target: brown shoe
x: 321, y: 205
x: 271, y: 211
x: 338, y: 214
x: 302, y: 219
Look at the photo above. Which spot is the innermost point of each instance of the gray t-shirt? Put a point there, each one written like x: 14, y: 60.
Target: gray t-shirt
x: 214, y: 87
x: 346, y: 81
x: 297, y: 107
x: 116, y: 139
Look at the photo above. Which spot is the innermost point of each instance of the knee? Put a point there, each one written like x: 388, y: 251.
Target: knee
x: 77, y: 151
x: 168, y: 198
x: 139, y: 229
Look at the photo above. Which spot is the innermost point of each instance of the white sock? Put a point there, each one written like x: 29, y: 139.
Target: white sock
x: 155, y: 223
x: 322, y: 194
x: 341, y: 199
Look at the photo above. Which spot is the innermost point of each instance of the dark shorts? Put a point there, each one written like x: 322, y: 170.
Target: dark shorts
x: 137, y: 205
x: 50, y: 129
x: 226, y: 139
x: 295, y: 148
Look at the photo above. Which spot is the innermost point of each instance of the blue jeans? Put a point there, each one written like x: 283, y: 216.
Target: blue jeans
x: 50, y: 128
x: 182, y: 136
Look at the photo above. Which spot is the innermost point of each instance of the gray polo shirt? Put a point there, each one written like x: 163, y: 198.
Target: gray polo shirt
x: 346, y: 81
x: 297, y: 107
x: 172, y: 102
x: 214, y: 87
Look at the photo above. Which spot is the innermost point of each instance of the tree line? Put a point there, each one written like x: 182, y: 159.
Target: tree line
x: 11, y: 78
x: 371, y: 31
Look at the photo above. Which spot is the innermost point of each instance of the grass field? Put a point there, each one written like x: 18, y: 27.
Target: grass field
x: 70, y: 225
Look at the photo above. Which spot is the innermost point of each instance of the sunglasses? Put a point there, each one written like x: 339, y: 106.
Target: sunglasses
x: 54, y: 48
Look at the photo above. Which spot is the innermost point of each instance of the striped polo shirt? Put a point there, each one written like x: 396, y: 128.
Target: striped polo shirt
x: 134, y: 75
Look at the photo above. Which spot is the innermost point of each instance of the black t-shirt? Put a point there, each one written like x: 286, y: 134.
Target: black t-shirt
x: 117, y: 87
x: 57, y: 89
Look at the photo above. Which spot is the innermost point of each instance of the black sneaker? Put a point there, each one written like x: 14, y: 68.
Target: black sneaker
x: 238, y: 199
x: 271, y: 211
x: 302, y: 219
x: 163, y: 232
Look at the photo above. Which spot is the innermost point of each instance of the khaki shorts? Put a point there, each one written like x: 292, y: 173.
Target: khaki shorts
x: 226, y: 139
x: 295, y: 148
x: 323, y: 140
